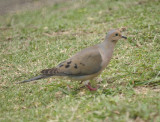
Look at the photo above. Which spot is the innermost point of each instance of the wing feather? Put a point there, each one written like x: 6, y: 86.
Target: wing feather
x: 86, y: 62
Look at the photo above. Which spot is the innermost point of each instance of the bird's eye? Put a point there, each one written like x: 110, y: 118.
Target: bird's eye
x: 116, y: 34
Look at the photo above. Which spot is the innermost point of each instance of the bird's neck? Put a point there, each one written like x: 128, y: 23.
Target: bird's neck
x: 108, y: 45
x: 106, y: 50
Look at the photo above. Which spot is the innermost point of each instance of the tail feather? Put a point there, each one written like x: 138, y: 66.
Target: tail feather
x: 45, y: 74
x: 48, y: 72
x: 35, y: 78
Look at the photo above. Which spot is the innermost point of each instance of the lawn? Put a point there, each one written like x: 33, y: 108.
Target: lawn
x: 37, y: 39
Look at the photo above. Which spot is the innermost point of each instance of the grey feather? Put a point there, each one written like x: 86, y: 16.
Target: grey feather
x: 35, y: 78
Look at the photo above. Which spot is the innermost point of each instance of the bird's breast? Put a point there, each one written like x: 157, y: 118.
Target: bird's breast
x: 106, y: 55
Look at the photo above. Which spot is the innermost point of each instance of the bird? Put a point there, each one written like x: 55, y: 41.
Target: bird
x: 86, y: 64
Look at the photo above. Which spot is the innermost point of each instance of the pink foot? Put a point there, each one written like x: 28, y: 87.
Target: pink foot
x: 91, y: 88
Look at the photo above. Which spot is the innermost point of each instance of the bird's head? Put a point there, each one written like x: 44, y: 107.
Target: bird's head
x: 114, y: 36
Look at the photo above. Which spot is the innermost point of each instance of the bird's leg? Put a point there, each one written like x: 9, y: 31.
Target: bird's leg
x: 81, y: 86
x: 69, y: 87
x: 90, y: 87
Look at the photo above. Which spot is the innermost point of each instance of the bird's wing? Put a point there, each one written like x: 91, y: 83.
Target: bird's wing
x: 86, y: 62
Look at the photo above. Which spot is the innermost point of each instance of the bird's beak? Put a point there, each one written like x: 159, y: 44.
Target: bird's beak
x: 124, y: 37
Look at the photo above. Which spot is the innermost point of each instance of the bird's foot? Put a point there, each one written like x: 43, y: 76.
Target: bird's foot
x: 91, y: 88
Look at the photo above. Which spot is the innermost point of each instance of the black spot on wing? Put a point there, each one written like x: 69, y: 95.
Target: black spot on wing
x: 69, y: 62
x: 67, y: 66
x: 61, y: 65
x: 82, y: 64
x: 75, y: 66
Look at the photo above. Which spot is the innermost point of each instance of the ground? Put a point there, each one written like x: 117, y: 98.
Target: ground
x: 41, y: 38
x: 13, y: 6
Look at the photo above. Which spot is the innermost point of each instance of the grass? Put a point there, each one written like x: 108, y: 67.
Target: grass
x: 38, y: 39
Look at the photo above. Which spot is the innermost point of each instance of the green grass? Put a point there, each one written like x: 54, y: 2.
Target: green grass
x: 39, y: 39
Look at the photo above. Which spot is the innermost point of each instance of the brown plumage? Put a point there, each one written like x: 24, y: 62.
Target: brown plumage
x: 81, y: 64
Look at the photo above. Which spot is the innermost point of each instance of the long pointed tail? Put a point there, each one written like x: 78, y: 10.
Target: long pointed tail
x: 35, y: 78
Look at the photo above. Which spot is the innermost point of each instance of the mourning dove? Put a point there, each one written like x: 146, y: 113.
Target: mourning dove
x: 86, y: 64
